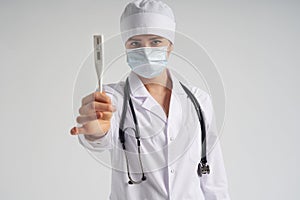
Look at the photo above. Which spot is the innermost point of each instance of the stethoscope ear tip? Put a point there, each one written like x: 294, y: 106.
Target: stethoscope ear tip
x: 144, y: 178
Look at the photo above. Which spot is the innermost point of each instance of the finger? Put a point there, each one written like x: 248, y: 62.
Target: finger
x: 77, y: 130
x: 96, y: 96
x: 82, y: 119
x: 106, y: 115
x: 96, y: 106
x: 73, y: 131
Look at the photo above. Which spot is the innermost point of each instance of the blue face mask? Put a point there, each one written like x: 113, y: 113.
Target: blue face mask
x: 147, y: 62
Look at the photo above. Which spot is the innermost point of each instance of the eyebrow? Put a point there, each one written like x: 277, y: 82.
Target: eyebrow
x: 154, y: 38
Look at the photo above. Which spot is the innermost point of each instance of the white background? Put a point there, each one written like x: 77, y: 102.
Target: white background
x: 255, y: 45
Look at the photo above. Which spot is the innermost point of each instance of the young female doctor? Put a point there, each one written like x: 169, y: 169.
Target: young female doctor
x: 150, y: 123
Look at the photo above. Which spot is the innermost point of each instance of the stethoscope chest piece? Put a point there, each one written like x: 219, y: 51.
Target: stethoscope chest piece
x: 203, y: 169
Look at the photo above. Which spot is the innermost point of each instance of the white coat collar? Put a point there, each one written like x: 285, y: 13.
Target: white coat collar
x: 138, y: 89
x: 143, y: 97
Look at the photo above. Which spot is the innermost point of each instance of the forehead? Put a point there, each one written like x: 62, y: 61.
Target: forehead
x: 146, y: 37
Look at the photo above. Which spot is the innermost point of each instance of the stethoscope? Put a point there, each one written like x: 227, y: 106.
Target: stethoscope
x: 203, y: 167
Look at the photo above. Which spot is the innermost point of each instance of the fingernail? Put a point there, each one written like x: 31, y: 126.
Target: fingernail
x: 73, y: 131
x: 98, y: 115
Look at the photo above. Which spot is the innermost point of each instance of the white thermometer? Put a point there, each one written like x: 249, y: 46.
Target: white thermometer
x: 99, y: 58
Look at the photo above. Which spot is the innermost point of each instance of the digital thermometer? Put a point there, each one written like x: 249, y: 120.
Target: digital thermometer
x: 99, y: 58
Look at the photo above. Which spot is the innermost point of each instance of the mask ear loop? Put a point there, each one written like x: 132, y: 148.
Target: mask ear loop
x: 137, y: 134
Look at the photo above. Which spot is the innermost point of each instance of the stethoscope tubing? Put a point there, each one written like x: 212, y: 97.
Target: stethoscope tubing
x: 203, y: 168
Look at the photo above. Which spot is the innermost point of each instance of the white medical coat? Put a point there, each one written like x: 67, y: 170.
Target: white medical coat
x: 170, y: 146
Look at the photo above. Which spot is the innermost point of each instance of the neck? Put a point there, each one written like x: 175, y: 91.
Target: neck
x: 159, y: 84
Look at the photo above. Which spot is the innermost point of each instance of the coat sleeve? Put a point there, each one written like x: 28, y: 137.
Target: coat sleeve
x: 215, y: 184
x: 101, y: 144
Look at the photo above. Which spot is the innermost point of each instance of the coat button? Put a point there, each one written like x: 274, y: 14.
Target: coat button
x: 172, y: 171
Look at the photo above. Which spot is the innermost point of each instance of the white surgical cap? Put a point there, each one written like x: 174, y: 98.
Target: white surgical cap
x: 147, y: 17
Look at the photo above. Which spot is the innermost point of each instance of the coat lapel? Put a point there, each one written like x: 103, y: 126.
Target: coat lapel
x: 142, y: 97
x: 177, y: 107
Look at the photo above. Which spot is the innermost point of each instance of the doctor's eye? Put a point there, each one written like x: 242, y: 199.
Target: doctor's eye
x: 134, y: 44
x: 156, y: 42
